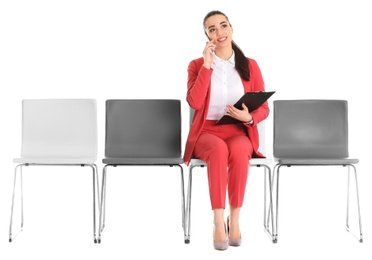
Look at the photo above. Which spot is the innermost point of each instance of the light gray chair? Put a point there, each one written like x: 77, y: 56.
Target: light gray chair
x: 312, y: 133
x: 254, y: 162
x: 142, y: 132
x: 58, y: 132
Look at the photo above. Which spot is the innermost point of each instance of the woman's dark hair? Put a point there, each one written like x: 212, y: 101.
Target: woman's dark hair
x: 241, y: 62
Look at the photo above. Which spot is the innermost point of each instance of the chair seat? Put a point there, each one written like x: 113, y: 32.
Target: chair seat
x: 259, y: 161
x: 143, y: 161
x: 52, y: 161
x: 253, y: 161
x: 316, y: 161
x: 197, y: 162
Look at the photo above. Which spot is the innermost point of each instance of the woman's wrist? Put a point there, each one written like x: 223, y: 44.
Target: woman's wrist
x: 250, y: 122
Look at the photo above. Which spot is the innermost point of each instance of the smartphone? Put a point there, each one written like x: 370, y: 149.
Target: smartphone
x: 207, y: 39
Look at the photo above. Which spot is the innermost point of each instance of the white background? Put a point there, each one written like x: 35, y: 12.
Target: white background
x: 141, y: 49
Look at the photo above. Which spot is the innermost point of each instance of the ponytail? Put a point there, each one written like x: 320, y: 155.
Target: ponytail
x: 241, y: 62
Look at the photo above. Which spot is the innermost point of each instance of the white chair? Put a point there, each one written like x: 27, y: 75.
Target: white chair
x: 313, y: 133
x: 254, y: 162
x: 58, y: 132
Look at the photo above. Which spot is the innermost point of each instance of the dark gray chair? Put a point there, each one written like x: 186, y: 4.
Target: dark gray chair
x: 142, y: 132
x: 312, y: 133
x: 254, y: 162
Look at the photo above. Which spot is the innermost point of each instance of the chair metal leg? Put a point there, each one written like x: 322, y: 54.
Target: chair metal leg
x: 268, y: 214
x: 360, y: 238
x: 102, y: 212
x: 20, y: 166
x: 96, y: 196
x: 276, y: 215
x: 188, y: 207
x: 96, y: 200
x: 182, y: 197
x: 102, y: 217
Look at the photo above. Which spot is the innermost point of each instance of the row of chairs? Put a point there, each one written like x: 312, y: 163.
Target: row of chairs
x: 147, y: 132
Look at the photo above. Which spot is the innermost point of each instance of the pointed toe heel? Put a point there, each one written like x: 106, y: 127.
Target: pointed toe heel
x: 233, y: 241
x: 221, y: 245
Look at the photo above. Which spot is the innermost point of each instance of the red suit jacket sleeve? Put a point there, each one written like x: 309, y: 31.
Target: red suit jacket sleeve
x: 198, y: 96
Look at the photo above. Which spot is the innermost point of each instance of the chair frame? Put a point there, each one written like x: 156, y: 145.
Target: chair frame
x: 102, y: 219
x: 349, y: 166
x: 19, y: 171
x: 349, y: 163
x: 268, y: 210
x: 26, y: 161
x: 161, y: 162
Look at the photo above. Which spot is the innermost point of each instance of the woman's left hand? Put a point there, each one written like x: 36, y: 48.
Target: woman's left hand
x: 239, y: 114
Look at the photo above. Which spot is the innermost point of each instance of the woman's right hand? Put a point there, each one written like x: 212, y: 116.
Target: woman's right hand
x: 208, y: 54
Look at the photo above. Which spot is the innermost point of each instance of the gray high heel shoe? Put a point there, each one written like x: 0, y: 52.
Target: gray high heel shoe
x: 221, y: 245
x: 233, y: 241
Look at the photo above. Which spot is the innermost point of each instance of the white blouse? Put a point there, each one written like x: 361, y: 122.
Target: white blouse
x: 226, y: 86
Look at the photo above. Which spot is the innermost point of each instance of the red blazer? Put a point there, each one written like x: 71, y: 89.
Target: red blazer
x: 198, y: 96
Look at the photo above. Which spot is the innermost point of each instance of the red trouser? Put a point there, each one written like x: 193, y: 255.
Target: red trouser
x: 227, y: 150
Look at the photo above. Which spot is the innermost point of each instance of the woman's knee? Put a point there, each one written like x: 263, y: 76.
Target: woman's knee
x: 219, y: 150
x: 241, y: 151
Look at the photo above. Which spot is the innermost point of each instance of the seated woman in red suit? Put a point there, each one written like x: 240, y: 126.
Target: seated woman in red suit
x: 215, y: 82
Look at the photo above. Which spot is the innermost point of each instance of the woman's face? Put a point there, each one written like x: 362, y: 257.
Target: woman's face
x: 219, y: 30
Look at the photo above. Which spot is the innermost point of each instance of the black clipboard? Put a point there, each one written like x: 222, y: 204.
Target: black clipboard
x: 252, y: 100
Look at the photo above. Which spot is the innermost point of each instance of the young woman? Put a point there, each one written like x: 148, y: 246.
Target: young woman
x: 215, y: 82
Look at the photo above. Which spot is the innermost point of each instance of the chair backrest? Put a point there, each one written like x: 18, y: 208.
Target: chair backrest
x: 59, y: 128
x: 310, y: 129
x: 261, y: 132
x: 143, y: 128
